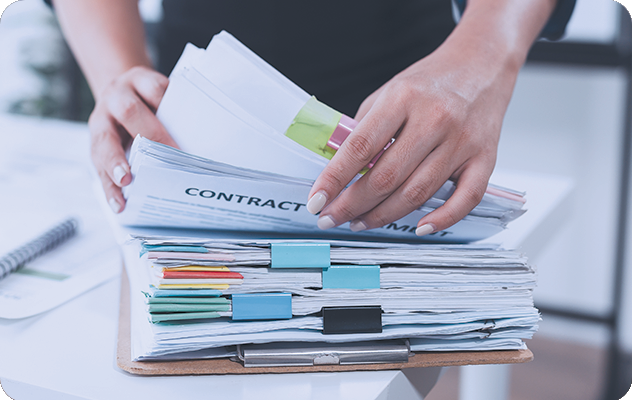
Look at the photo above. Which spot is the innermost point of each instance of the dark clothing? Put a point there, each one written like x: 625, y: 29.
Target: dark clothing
x: 339, y: 51
x: 555, y: 26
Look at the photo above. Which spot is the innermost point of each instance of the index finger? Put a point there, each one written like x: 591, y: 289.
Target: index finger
x: 375, y: 130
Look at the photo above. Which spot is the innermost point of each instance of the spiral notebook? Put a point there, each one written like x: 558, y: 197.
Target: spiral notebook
x: 31, y: 176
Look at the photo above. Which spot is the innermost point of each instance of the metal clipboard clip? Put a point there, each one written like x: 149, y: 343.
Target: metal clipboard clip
x: 292, y: 354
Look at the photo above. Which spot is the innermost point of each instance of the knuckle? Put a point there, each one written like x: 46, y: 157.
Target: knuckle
x: 420, y: 191
x: 417, y: 194
x: 332, y: 184
x: 137, y: 69
x: 332, y: 179
x: 360, y: 148
x: 127, y: 108
x: 443, y: 113
x: 157, y: 89
x: 383, y: 181
x: 473, y: 195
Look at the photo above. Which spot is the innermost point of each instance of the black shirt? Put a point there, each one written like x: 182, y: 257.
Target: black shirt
x: 340, y: 51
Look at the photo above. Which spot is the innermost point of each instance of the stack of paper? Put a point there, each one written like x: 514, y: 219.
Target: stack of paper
x: 252, y: 144
x: 172, y: 188
x: 440, y: 297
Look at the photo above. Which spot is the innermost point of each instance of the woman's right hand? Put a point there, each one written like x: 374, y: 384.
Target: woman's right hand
x: 124, y: 109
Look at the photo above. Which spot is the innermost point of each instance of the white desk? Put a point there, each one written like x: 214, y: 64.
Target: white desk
x: 69, y: 352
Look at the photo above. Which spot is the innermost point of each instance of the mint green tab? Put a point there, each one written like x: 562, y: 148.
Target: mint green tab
x: 161, y: 308
x: 183, y: 293
x: 182, y: 316
x: 312, y: 127
x: 351, y: 277
x: 184, y: 249
x: 187, y: 300
x: 299, y: 255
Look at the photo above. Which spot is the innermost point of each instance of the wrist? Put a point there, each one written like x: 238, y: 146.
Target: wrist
x: 501, y: 32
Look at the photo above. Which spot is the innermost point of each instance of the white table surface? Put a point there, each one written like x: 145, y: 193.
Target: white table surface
x: 69, y: 352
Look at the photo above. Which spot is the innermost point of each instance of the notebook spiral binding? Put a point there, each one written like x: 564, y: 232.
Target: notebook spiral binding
x: 40, y: 245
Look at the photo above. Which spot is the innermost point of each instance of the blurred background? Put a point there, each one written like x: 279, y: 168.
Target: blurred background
x: 571, y: 115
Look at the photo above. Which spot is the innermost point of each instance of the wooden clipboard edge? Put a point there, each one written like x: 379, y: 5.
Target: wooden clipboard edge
x: 225, y: 366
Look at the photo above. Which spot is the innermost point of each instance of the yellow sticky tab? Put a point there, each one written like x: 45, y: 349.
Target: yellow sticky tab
x: 194, y: 286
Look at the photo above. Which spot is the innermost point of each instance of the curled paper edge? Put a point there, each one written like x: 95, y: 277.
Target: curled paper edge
x: 627, y: 4
x: 4, y: 4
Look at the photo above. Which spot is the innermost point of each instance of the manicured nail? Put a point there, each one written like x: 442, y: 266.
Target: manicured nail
x: 357, y: 226
x: 424, y: 230
x: 114, y: 205
x: 119, y: 173
x: 325, y: 222
x: 317, y: 202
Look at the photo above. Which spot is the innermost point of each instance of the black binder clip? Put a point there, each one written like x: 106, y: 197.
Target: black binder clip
x: 355, y: 319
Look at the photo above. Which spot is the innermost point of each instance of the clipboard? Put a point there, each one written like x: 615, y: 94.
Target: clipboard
x: 227, y: 367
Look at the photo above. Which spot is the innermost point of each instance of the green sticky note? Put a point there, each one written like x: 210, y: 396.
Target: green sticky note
x: 312, y: 127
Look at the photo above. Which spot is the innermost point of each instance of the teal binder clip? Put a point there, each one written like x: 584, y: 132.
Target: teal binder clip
x: 351, y: 277
x: 262, y: 306
x: 299, y: 255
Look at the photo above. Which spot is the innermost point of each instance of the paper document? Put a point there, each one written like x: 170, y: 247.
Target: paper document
x: 252, y: 143
x: 441, y: 297
x: 172, y: 188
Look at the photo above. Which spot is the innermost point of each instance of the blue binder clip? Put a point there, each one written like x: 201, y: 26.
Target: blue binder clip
x: 351, y: 277
x: 253, y: 306
x: 299, y: 255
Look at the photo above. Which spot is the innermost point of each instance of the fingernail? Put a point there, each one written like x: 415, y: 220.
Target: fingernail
x: 424, y: 230
x: 357, y: 226
x: 317, y: 202
x: 325, y: 222
x: 119, y: 173
x: 114, y: 205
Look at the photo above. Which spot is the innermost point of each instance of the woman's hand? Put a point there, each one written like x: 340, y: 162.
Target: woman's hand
x: 125, y: 109
x: 445, y: 113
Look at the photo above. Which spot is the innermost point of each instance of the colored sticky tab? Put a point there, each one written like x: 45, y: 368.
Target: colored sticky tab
x: 156, y: 318
x: 351, y: 277
x: 184, y: 293
x: 299, y: 255
x: 355, y: 319
x: 183, y: 249
x: 168, y: 308
x: 177, y: 286
x: 262, y: 306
